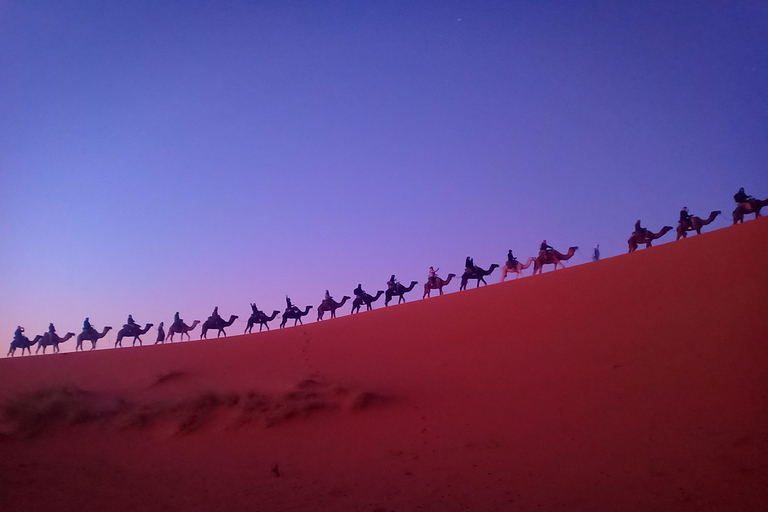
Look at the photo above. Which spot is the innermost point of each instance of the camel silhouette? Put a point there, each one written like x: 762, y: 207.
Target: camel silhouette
x: 398, y: 291
x: 330, y: 305
x: 477, y: 273
x: 261, y: 318
x: 219, y: 324
x: 295, y: 314
x: 24, y: 344
x: 52, y: 340
x: 127, y: 331
x: 517, y: 268
x: 91, y: 336
x: 635, y: 239
x: 755, y: 206
x: 182, y: 330
x: 366, y: 299
x: 696, y: 224
x: 439, y: 283
x: 552, y: 258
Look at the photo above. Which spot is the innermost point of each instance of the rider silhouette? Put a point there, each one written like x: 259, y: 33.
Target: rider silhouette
x: 511, y: 259
x: 742, y: 199
x: 641, y: 231
x: 87, y: 326
x: 177, y: 321
x: 289, y: 307
x: 359, y: 292
x: 433, y: 276
x: 392, y: 283
x: 685, y: 218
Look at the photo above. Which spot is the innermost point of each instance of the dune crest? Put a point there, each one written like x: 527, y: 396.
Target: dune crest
x: 634, y: 383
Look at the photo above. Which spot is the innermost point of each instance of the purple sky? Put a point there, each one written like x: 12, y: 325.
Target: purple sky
x: 174, y: 156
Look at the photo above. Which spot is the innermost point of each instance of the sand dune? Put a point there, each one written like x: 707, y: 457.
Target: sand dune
x: 638, y: 382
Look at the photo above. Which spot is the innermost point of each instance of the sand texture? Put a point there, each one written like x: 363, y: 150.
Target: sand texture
x: 635, y: 383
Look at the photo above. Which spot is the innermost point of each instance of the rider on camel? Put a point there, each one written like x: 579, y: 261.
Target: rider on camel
x: 131, y: 324
x: 289, y: 307
x: 742, y: 199
x: 17, y: 334
x: 685, y: 219
x: 215, y: 315
x: 543, y: 248
x: 359, y: 292
x: 641, y: 231
x: 433, y: 276
x: 51, y: 329
x: 392, y: 283
x: 87, y: 327
x: 511, y: 260
x: 328, y: 299
x: 469, y: 265
x: 177, y: 321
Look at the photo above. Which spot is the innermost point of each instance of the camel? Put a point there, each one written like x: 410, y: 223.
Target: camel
x: 261, y: 318
x: 517, y: 268
x: 24, y: 344
x: 217, y: 323
x: 332, y: 307
x: 755, y: 206
x: 182, y: 330
x: 439, y: 283
x: 366, y: 299
x: 296, y: 314
x: 399, y: 290
x: 91, y: 336
x: 127, y: 331
x: 552, y: 258
x: 478, y: 273
x: 636, y: 239
x: 52, y: 340
x: 696, y: 224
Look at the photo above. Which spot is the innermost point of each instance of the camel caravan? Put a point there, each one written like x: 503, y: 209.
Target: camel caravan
x: 547, y: 255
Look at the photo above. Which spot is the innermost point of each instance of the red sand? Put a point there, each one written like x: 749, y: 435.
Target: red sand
x: 639, y: 382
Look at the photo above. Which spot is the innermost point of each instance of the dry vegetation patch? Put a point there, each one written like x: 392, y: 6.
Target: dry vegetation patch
x: 31, y: 413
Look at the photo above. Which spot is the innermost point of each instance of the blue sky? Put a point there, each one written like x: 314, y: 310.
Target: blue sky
x: 174, y: 156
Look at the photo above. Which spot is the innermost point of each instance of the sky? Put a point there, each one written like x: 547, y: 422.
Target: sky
x: 179, y: 155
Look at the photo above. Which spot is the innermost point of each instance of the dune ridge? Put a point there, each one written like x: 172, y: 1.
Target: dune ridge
x: 638, y: 382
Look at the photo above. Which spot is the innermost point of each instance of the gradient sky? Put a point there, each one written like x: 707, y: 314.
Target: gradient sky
x: 174, y: 156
